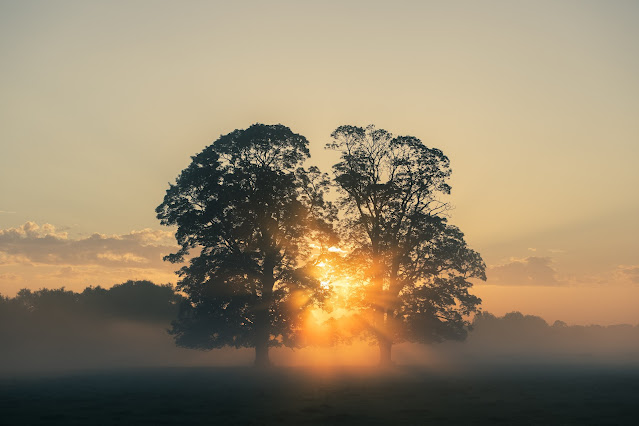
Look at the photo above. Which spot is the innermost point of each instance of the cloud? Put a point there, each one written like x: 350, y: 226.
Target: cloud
x: 628, y: 273
x: 45, y: 245
x: 9, y: 259
x: 531, y: 270
x: 30, y: 230
x: 126, y: 257
x: 39, y: 256
x: 9, y: 277
x: 66, y: 272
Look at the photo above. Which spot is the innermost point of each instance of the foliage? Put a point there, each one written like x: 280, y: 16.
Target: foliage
x: 413, y: 268
x: 251, y: 211
x: 133, y: 301
x: 141, y: 301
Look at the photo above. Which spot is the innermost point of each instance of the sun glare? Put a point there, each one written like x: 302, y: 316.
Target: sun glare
x: 337, y: 319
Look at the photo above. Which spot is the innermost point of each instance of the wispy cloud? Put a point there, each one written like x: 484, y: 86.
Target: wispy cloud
x: 628, y: 273
x: 46, y: 245
x: 531, y: 270
x: 44, y: 255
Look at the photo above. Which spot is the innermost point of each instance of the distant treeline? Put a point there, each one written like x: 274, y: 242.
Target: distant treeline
x: 148, y: 302
x: 127, y: 325
x: 531, y: 325
x: 57, y: 329
x: 528, y: 338
x: 132, y: 300
x: 145, y: 301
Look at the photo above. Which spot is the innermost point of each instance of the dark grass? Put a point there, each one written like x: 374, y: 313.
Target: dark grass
x: 514, y: 395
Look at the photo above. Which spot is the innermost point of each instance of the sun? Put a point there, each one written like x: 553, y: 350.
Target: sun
x: 330, y: 272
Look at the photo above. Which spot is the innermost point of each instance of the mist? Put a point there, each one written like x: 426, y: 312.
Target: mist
x: 522, y: 339
x: 58, y: 331
x: 105, y: 355
x: 127, y: 327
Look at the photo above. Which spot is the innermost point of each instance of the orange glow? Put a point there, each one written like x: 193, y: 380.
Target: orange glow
x: 338, y: 321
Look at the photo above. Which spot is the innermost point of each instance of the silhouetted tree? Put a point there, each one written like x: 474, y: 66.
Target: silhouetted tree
x: 513, y: 326
x: 132, y: 300
x: 250, y: 210
x: 11, y: 310
x: 411, y: 265
x: 50, y: 304
x: 50, y: 328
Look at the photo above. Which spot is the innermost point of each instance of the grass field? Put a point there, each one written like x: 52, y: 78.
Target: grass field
x: 513, y: 395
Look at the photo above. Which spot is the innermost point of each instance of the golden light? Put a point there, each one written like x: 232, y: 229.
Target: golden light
x: 337, y: 320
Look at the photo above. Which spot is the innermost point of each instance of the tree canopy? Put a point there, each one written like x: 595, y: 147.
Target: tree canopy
x: 411, y: 267
x: 246, y: 212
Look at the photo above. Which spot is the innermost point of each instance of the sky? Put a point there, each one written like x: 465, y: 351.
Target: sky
x: 534, y: 102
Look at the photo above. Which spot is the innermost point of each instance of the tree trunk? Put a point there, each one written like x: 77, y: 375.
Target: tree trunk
x: 385, y: 346
x: 262, y: 319
x: 381, y: 301
x: 261, y: 349
x: 387, y: 317
x: 262, y: 334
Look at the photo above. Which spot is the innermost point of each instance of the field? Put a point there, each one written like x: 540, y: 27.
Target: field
x: 512, y: 395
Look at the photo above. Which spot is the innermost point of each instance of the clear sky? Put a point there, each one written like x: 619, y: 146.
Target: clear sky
x: 535, y: 102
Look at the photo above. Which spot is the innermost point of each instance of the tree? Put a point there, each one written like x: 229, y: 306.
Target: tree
x: 139, y: 300
x: 412, y: 268
x: 250, y: 209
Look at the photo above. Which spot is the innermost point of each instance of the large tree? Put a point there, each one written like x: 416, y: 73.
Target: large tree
x: 410, y: 268
x: 249, y: 210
